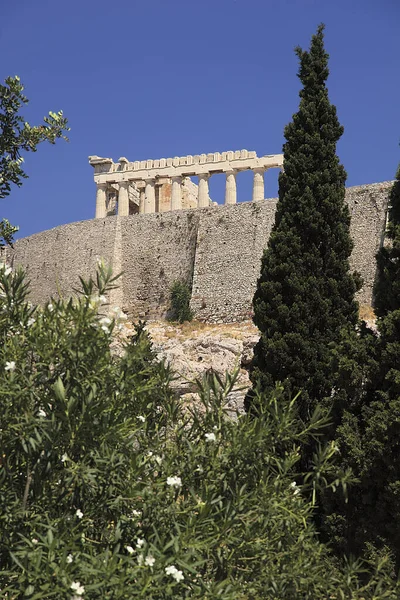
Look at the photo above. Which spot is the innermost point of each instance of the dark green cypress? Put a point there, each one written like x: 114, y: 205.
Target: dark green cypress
x: 387, y: 286
x: 369, y: 433
x: 305, y: 294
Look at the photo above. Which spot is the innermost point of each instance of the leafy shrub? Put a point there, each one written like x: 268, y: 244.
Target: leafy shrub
x: 180, y: 302
x: 110, y: 489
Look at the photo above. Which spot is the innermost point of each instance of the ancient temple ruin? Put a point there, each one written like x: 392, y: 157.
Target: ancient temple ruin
x: 152, y: 186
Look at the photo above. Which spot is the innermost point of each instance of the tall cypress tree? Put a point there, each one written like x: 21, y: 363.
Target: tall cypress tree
x: 369, y: 433
x: 387, y: 286
x: 305, y: 294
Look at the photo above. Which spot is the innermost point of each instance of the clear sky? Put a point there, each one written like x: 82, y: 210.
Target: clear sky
x: 160, y: 78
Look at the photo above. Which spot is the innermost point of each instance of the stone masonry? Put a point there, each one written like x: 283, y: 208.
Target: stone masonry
x: 216, y: 248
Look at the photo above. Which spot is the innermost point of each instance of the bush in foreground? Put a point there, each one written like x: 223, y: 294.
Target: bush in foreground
x: 110, y: 490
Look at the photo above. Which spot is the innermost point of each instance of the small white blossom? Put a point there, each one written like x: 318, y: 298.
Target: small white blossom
x: 174, y: 572
x: 140, y: 543
x: 141, y: 418
x: 35, y: 541
x: 158, y: 460
x: 64, y: 458
x: 42, y: 413
x: 50, y: 307
x: 136, y: 513
x: 79, y: 513
x: 102, y: 299
x: 10, y: 365
x: 105, y: 328
x: 149, y: 560
x: 210, y: 437
x: 6, y: 270
x: 105, y: 321
x: 30, y: 321
x: 70, y: 558
x: 130, y: 549
x: 174, y: 481
x: 295, y: 489
x: 78, y: 588
x: 149, y: 454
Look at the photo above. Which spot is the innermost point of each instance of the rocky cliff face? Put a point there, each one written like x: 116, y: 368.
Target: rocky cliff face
x: 193, y: 349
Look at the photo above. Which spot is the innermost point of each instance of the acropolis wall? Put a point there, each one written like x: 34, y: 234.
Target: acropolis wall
x: 217, y: 248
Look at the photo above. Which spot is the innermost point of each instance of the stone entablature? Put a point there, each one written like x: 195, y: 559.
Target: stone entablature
x: 141, y: 186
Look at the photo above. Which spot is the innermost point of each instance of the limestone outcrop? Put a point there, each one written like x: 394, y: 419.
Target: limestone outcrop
x: 194, y: 349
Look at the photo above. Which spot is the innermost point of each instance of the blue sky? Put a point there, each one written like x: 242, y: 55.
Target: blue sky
x: 159, y: 78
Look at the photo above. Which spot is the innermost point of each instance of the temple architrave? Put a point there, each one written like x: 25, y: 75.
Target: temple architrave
x: 153, y: 186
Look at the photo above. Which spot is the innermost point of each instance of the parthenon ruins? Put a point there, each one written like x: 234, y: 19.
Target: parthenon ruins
x: 152, y: 186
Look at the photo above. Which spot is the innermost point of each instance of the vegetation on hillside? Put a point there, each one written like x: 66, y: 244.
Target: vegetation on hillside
x: 109, y: 489
x: 305, y: 293
x: 369, y: 432
x: 180, y: 302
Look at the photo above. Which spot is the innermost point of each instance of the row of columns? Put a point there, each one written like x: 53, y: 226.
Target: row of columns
x: 148, y: 194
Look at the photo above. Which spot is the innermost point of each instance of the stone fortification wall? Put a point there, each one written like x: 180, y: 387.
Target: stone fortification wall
x: 156, y: 250
x: 230, y: 243
x: 55, y: 258
x: 219, y: 247
x: 368, y: 207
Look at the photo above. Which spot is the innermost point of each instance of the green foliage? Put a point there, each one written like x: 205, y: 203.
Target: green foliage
x: 369, y: 431
x: 387, y: 283
x: 180, y: 302
x: 110, y: 489
x: 19, y: 136
x: 305, y: 293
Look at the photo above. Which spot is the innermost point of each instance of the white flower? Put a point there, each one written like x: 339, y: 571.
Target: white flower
x: 35, y: 541
x: 70, y: 558
x: 10, y: 365
x: 64, y: 458
x: 6, y: 270
x: 158, y: 460
x: 78, y: 588
x: 295, y: 489
x: 141, y: 418
x: 130, y: 549
x: 210, y: 437
x: 140, y: 542
x: 136, y: 513
x: 79, y: 513
x: 50, y: 307
x: 105, y: 321
x: 174, y: 481
x: 178, y: 576
x: 30, y: 321
x: 102, y: 299
x: 149, y: 560
x: 42, y: 413
x: 105, y: 328
x: 174, y: 572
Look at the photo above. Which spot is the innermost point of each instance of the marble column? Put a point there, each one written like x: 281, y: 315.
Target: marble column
x: 101, y: 200
x: 230, y: 188
x: 176, y: 193
x: 150, y: 198
x: 203, y: 196
x: 142, y: 201
x: 123, y: 199
x: 258, y: 184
